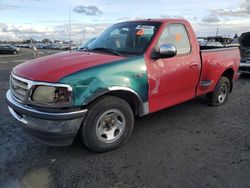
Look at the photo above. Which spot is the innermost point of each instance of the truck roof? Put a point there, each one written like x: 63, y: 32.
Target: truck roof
x: 160, y: 20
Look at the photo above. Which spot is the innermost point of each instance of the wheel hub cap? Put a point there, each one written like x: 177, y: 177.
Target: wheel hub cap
x: 222, y: 93
x: 110, y: 126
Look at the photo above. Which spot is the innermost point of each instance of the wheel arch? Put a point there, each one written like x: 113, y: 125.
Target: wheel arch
x: 139, y: 107
x: 229, y: 73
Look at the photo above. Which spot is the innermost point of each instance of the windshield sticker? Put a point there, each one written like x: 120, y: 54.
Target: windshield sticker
x: 140, y: 32
x: 178, y: 37
x: 145, y: 27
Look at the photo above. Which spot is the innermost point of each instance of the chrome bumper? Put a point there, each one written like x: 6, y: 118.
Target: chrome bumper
x: 50, y: 128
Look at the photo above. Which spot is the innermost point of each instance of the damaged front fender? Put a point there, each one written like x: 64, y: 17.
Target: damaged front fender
x: 128, y: 74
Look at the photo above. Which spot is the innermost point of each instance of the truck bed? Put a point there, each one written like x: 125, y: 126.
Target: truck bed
x: 204, y: 48
x: 215, y: 60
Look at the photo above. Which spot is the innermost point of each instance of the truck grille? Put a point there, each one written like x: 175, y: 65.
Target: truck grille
x: 19, y: 88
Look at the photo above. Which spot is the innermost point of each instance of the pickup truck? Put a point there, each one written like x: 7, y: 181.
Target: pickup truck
x: 132, y: 69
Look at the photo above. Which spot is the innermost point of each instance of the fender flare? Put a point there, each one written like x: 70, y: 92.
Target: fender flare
x: 143, y: 106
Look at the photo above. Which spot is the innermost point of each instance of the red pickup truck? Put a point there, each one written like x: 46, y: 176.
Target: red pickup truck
x: 132, y: 69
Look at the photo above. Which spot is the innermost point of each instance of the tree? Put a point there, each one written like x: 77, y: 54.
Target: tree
x: 46, y: 41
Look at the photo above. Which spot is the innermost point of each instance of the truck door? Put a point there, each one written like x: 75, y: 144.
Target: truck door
x: 174, y: 80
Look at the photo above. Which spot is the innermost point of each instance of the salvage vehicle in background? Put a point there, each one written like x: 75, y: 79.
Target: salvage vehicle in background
x: 132, y: 69
x: 85, y: 44
x: 7, y: 49
x: 244, y: 41
x: 213, y: 44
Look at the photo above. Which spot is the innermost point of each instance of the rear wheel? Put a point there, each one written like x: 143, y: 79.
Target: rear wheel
x: 107, y: 125
x: 220, y: 94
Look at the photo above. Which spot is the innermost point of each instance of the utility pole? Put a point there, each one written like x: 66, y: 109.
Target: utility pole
x: 15, y: 37
x: 53, y: 38
x: 69, y: 30
x: 83, y: 25
x: 84, y: 34
x: 217, y: 31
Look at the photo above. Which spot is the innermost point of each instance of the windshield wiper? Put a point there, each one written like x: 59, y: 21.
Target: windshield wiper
x: 110, y: 50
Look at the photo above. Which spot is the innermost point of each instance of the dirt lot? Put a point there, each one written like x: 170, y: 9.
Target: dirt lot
x: 189, y: 145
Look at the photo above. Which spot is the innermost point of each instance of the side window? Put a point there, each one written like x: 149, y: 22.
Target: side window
x: 175, y: 34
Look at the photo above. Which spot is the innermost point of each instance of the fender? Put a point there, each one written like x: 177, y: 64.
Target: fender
x: 143, y: 109
x: 89, y: 84
x: 143, y: 106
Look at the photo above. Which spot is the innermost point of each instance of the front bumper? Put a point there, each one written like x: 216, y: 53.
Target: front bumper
x: 57, y: 129
x: 244, y: 67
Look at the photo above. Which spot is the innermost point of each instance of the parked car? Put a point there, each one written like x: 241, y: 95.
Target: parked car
x: 40, y: 46
x: 55, y: 46
x: 15, y: 47
x: 85, y: 44
x: 8, y: 50
x: 211, y: 43
x: 234, y: 43
x: 26, y: 45
x: 132, y: 69
x: 244, y: 41
x: 202, y: 42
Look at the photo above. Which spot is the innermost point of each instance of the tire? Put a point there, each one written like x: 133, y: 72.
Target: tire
x: 107, y: 125
x: 14, y: 52
x: 221, y: 92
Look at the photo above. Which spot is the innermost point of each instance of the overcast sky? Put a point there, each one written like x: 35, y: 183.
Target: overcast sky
x: 23, y: 19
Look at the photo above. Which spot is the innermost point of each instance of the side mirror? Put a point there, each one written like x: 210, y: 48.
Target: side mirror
x: 167, y: 51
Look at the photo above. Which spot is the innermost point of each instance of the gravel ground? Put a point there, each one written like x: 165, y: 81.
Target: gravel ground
x: 189, y: 145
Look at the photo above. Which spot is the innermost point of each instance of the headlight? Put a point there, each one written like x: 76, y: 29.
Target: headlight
x: 52, y: 95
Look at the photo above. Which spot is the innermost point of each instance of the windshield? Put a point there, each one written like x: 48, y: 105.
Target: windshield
x: 129, y: 38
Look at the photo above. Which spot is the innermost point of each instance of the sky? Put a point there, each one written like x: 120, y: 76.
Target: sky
x: 39, y: 19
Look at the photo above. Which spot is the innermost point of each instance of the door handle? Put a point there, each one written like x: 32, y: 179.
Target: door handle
x: 192, y: 65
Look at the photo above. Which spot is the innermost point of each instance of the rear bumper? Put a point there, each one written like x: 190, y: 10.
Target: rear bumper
x: 57, y: 129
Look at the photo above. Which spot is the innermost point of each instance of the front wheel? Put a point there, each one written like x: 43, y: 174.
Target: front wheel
x: 107, y: 125
x: 220, y: 94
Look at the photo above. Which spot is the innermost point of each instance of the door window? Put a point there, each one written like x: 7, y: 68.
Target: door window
x: 175, y: 34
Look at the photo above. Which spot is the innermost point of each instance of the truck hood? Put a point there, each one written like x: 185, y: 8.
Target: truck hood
x: 54, y: 67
